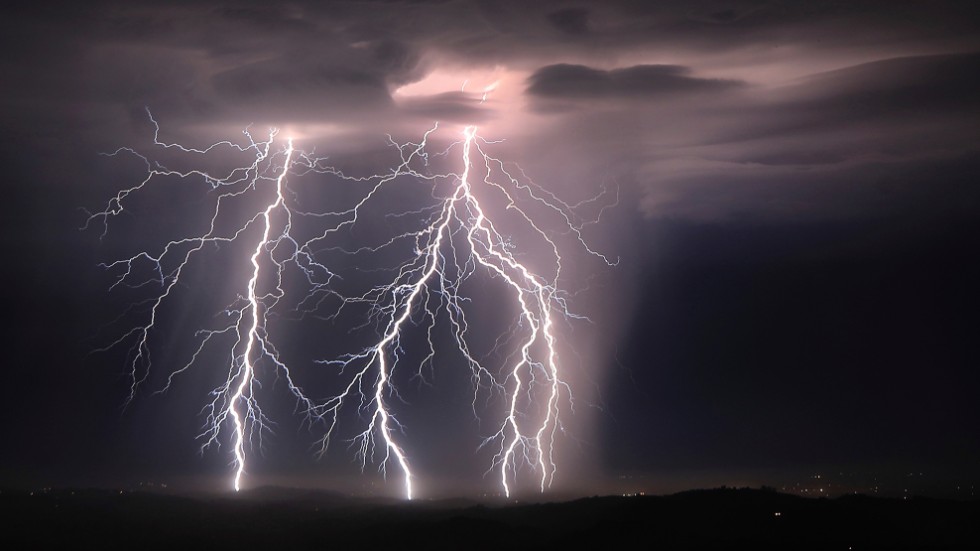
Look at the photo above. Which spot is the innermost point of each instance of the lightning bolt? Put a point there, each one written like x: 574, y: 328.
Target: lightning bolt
x: 458, y: 238
x: 447, y: 251
x: 244, y: 391
x: 236, y: 398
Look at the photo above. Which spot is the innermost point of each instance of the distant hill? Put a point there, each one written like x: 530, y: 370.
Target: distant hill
x: 279, y: 518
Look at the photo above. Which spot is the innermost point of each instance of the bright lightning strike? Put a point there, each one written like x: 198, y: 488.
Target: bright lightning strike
x: 163, y: 270
x: 458, y: 238
x: 243, y: 392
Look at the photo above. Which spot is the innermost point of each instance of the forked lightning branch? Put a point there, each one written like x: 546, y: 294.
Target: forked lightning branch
x: 477, y: 204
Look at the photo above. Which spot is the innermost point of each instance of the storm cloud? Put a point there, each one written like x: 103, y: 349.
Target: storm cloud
x: 641, y: 81
x: 731, y: 130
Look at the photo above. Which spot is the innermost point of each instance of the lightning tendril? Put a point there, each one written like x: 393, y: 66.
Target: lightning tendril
x: 458, y: 239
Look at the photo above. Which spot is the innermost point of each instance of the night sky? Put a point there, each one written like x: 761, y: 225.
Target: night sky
x: 797, y: 226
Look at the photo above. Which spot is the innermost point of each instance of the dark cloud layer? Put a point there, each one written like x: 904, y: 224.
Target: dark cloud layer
x: 572, y: 21
x: 640, y: 81
x: 893, y: 92
x: 751, y: 146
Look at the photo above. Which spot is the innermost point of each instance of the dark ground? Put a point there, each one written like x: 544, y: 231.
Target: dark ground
x: 287, y: 519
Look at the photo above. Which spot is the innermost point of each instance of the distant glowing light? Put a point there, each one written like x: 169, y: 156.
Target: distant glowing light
x: 479, y: 81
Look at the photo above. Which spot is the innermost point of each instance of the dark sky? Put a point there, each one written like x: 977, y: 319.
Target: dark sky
x: 798, y: 219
